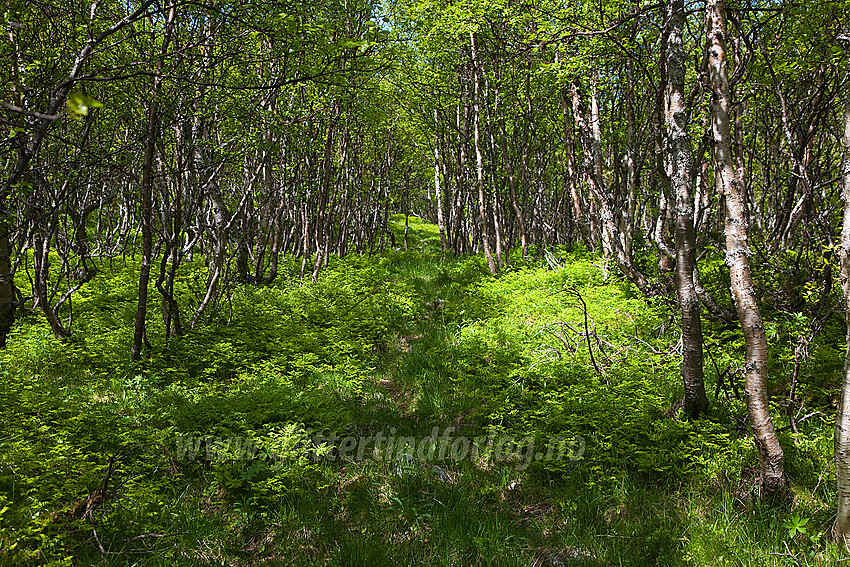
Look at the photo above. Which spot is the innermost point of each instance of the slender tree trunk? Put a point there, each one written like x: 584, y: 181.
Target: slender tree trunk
x: 438, y: 191
x: 278, y: 244
x: 7, y: 292
x: 520, y: 218
x: 729, y: 185
x: 461, y: 237
x: 609, y: 221
x: 576, y: 198
x: 497, y: 229
x: 147, y: 197
x: 305, y: 234
x: 591, y: 137
x: 479, y: 169
x: 146, y: 214
x: 842, y: 419
x: 679, y: 147
x: 222, y: 220
x: 497, y: 209
x: 322, y: 236
x: 168, y: 271
x: 41, y: 279
x: 448, y: 193
x: 629, y: 164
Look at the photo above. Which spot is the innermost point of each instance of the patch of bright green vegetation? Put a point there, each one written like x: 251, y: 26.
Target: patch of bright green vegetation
x: 94, y: 451
x: 421, y: 235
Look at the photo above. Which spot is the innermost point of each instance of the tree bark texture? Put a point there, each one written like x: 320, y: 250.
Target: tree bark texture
x: 146, y: 207
x: 679, y: 148
x: 479, y: 161
x: 438, y: 190
x: 7, y: 290
x: 730, y: 186
x: 591, y: 137
x: 842, y: 419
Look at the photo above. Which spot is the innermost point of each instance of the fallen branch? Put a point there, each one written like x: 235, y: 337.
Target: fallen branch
x: 575, y: 293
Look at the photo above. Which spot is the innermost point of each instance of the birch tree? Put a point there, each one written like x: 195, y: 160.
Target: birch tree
x: 842, y: 419
x: 679, y: 149
x: 731, y: 187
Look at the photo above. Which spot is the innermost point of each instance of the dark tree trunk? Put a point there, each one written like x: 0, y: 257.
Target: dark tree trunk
x: 679, y: 147
x: 479, y: 160
x: 7, y: 290
x: 146, y: 214
x: 146, y: 206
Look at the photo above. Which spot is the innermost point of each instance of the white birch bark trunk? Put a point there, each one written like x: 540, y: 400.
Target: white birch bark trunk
x: 842, y: 419
x: 730, y: 185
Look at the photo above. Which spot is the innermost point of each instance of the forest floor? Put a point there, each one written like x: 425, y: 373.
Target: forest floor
x: 405, y: 409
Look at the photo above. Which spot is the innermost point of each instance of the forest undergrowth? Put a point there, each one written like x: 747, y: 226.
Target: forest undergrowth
x: 251, y: 440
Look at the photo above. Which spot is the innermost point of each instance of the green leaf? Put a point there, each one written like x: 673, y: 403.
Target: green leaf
x: 796, y: 525
x: 79, y: 104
